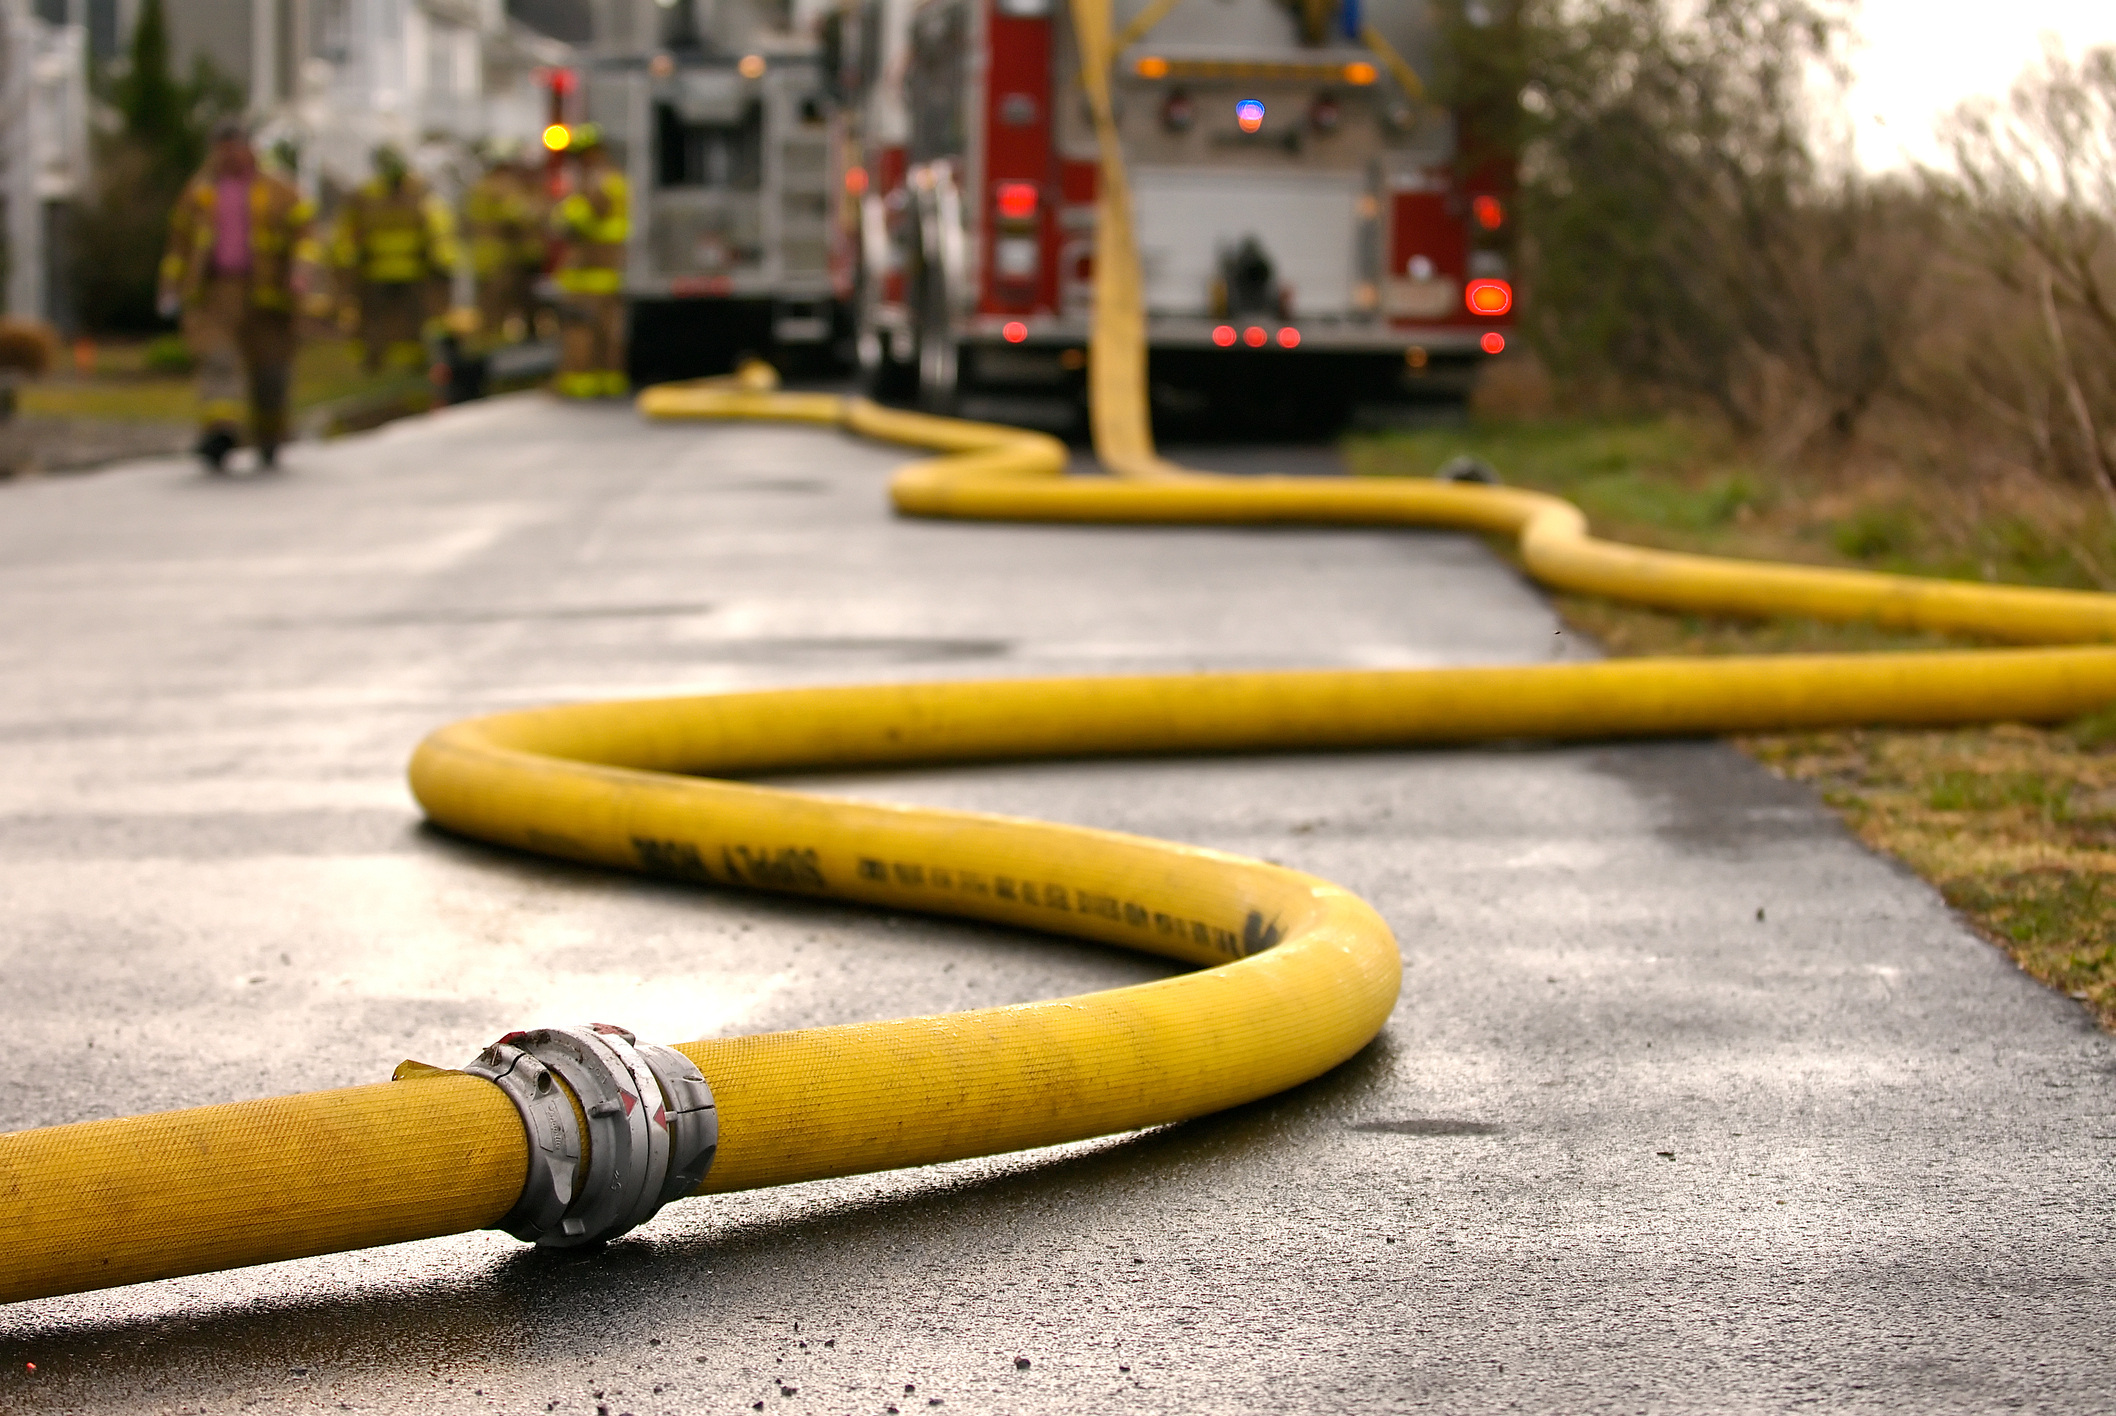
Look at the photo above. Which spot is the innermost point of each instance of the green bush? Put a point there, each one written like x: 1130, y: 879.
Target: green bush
x: 1875, y: 533
x: 139, y: 170
x: 168, y: 355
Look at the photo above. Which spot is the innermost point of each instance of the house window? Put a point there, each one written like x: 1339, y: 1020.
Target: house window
x: 334, y: 30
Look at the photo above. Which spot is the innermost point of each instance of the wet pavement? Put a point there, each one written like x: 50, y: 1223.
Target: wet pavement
x: 1690, y: 1104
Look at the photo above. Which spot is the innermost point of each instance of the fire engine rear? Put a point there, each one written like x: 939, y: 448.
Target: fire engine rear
x: 1308, y: 229
x: 716, y: 110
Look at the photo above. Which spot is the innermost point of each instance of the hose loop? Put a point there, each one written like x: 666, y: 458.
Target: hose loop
x: 617, y: 1128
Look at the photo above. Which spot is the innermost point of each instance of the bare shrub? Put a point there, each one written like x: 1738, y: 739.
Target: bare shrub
x: 2031, y: 343
x: 1683, y: 238
x: 27, y: 347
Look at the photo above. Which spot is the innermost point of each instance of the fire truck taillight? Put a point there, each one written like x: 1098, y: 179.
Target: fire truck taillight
x: 1016, y: 201
x: 1249, y: 115
x: 1255, y: 337
x: 1489, y: 213
x: 1223, y: 335
x: 856, y: 180
x: 1488, y: 297
x: 1493, y: 342
x: 1013, y: 331
x: 1289, y: 338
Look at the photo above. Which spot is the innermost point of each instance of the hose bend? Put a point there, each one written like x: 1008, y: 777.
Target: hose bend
x: 1299, y: 974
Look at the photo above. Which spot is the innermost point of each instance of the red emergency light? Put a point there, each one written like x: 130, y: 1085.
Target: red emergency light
x: 1488, y: 211
x: 1493, y: 342
x: 1017, y: 201
x: 1490, y: 298
x: 1223, y: 335
x: 1289, y: 338
x: 1255, y: 337
x: 1014, y: 331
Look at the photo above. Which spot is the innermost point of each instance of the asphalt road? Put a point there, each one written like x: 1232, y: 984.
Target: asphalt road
x: 1690, y: 1104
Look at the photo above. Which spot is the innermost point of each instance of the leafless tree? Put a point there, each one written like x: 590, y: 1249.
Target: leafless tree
x: 2034, y: 184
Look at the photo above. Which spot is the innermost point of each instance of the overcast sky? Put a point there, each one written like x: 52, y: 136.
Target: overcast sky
x: 1921, y: 57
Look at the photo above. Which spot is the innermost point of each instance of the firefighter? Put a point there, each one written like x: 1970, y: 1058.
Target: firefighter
x: 395, y: 250
x: 505, y: 218
x: 240, y: 257
x: 592, y: 224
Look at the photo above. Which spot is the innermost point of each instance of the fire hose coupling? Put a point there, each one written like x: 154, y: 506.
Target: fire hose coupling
x: 639, y: 1116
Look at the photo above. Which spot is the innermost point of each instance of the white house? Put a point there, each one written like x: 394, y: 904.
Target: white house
x: 341, y: 76
x: 44, y: 154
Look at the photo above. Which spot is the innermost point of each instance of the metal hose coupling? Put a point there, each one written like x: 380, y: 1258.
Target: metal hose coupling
x: 637, y: 1115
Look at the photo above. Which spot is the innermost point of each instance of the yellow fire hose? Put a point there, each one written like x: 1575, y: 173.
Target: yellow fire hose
x: 569, y: 1135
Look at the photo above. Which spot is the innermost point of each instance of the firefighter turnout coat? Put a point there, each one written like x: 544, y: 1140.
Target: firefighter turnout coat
x: 505, y: 222
x: 594, y: 222
x: 394, y: 236
x: 280, y: 241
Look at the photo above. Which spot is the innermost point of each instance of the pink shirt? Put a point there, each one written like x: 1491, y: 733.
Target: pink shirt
x: 231, y: 226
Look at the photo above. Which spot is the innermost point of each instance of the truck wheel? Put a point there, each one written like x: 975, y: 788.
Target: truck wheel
x: 939, y: 356
x: 883, y: 377
x: 887, y: 373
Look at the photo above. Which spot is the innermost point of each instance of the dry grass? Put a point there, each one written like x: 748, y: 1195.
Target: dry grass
x: 2016, y: 825
x: 121, y: 390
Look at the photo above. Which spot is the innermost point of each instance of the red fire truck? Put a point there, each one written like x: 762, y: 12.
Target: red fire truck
x: 1309, y: 226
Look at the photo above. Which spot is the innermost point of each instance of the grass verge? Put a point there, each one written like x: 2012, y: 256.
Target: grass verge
x: 122, y: 389
x: 2015, y: 824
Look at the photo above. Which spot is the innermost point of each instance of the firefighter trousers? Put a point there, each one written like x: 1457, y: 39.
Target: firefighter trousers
x: 244, y: 356
x: 591, y: 361
x: 393, y: 324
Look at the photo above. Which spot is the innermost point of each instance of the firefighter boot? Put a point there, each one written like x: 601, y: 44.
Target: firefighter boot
x: 213, y: 448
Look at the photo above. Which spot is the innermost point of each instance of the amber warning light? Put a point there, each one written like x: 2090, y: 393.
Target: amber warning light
x: 556, y: 137
x: 1488, y: 297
